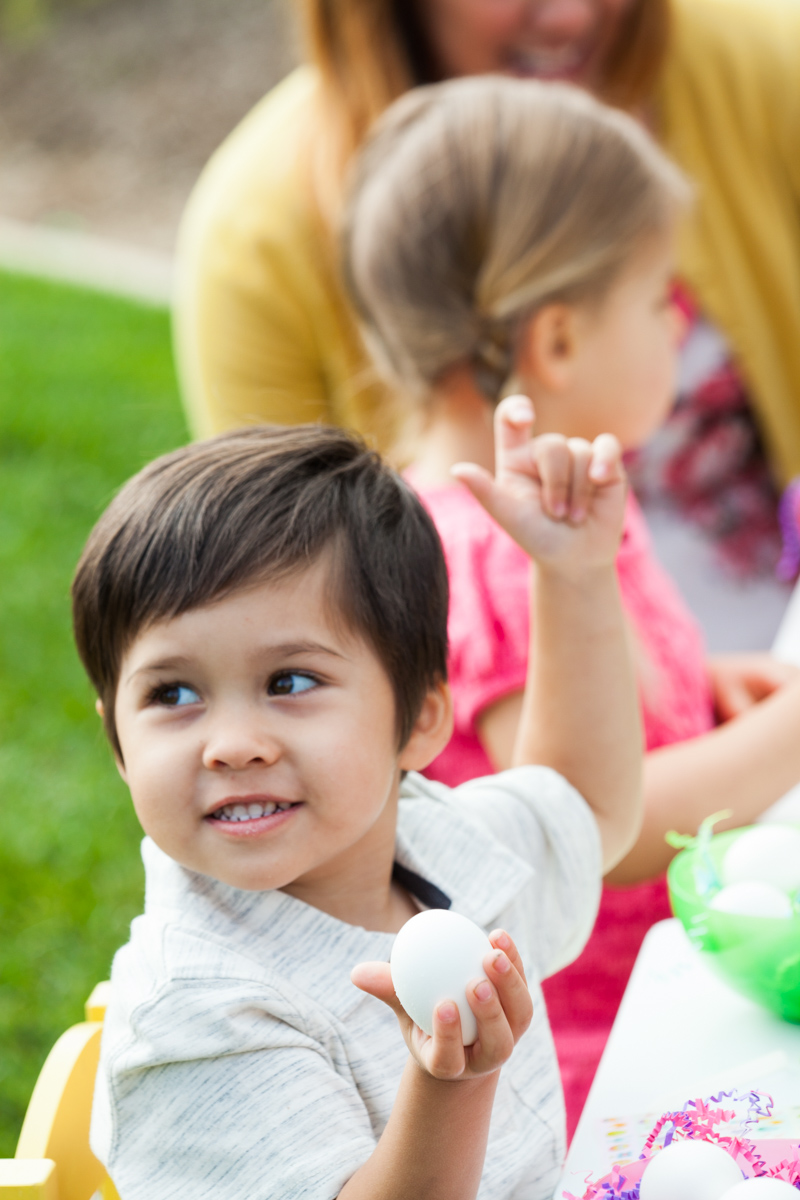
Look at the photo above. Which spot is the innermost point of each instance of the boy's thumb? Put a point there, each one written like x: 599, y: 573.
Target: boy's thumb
x: 375, y: 978
x: 479, y: 481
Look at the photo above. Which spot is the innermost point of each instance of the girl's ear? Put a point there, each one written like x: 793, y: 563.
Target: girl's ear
x: 431, y: 731
x: 549, y: 346
x: 99, y: 708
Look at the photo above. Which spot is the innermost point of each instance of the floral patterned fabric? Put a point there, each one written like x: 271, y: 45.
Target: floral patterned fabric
x: 708, y: 459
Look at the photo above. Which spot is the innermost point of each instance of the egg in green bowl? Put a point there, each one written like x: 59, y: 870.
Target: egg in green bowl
x: 758, y: 956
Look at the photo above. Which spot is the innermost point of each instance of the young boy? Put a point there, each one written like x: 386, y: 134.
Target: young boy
x: 264, y: 618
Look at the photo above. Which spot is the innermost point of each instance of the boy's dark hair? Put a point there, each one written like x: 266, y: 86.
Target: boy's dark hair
x: 260, y: 503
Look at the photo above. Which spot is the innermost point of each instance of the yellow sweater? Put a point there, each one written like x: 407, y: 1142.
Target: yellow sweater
x: 264, y: 333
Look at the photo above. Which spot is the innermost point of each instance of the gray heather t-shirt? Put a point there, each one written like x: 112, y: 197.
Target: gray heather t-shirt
x: 239, y: 1062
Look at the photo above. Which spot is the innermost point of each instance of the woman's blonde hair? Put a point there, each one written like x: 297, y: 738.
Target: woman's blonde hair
x: 369, y: 52
x: 477, y: 201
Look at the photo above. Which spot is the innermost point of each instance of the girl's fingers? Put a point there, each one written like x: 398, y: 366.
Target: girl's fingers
x: 606, y: 465
x: 582, y: 488
x: 552, y: 462
x: 444, y: 1054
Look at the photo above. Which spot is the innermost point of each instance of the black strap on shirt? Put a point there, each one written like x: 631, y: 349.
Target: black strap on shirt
x: 428, y: 893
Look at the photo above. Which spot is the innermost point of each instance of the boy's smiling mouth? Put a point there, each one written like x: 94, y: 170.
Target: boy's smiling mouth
x: 250, y: 814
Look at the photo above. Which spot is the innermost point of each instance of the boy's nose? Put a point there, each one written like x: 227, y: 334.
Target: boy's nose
x: 237, y: 742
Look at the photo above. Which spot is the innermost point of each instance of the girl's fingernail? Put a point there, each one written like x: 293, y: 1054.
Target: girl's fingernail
x: 501, y: 963
x: 559, y: 510
x: 519, y: 411
x: 503, y: 940
x: 600, y: 470
x: 577, y: 515
x: 483, y: 991
x: 447, y: 1012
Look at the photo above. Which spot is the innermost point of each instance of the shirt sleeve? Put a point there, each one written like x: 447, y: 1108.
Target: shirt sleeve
x: 489, y: 617
x: 246, y: 347
x: 262, y: 1123
x: 542, y: 819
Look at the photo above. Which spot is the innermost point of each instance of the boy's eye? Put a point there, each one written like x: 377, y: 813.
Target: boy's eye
x: 176, y: 695
x: 290, y: 684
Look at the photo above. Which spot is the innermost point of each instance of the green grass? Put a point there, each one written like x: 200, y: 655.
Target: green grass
x: 87, y: 396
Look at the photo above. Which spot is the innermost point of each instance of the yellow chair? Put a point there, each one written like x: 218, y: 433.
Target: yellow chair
x: 53, y: 1160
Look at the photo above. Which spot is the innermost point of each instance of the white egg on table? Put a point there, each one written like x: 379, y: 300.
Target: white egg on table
x: 763, y: 1187
x: 751, y: 898
x: 689, y: 1170
x: 434, y: 957
x: 769, y: 853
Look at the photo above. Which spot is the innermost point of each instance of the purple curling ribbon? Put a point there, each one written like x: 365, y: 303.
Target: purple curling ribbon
x: 788, y: 567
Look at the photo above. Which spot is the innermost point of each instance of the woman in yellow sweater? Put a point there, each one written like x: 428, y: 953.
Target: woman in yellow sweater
x: 263, y: 331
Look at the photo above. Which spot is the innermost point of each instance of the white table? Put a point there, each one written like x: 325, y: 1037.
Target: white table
x: 680, y: 1033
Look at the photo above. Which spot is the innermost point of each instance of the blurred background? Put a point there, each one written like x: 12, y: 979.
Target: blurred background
x: 108, y: 110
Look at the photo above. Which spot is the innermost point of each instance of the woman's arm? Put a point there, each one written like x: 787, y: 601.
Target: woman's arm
x: 244, y: 344
x: 744, y: 765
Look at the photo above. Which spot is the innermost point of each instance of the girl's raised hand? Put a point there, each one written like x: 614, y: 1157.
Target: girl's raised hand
x: 561, y: 499
x: 501, y: 1003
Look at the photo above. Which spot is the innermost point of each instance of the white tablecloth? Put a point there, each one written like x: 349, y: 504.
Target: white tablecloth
x: 680, y: 1033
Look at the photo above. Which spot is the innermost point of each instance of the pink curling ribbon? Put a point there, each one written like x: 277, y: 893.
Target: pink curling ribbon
x: 699, y: 1120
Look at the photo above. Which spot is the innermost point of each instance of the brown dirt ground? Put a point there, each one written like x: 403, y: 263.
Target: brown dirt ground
x: 108, y: 116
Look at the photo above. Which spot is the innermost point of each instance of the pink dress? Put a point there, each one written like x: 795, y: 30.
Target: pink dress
x: 488, y: 630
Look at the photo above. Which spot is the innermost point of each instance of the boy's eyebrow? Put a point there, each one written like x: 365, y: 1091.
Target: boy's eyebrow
x: 283, y: 649
x: 163, y: 664
x: 287, y: 649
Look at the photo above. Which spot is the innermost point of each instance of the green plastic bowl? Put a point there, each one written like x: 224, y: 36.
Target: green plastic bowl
x: 758, y: 956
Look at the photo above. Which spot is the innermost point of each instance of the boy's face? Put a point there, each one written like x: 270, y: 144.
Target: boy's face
x: 259, y: 740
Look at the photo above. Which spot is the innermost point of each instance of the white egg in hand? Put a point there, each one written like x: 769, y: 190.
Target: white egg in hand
x: 434, y: 957
x: 752, y: 899
x: 763, y: 1188
x: 770, y: 853
x: 689, y: 1170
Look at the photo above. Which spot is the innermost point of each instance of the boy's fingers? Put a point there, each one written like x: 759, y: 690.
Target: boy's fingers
x: 513, y: 424
x: 552, y: 461
x: 375, y: 978
x: 479, y: 481
x: 484, y: 489
x: 606, y: 466
x: 504, y: 941
x: 444, y: 1054
x: 512, y: 991
x: 582, y: 488
x: 495, y: 1036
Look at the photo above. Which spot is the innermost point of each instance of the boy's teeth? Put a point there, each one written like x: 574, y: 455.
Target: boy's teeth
x: 249, y: 812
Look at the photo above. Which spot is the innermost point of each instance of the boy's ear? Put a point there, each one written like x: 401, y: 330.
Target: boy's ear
x: 99, y: 708
x: 548, y: 347
x: 431, y: 732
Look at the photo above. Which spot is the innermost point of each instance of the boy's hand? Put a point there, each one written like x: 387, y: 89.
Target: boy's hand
x: 561, y: 499
x: 501, y: 1003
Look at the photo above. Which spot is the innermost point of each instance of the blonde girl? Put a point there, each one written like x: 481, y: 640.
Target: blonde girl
x: 504, y: 234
